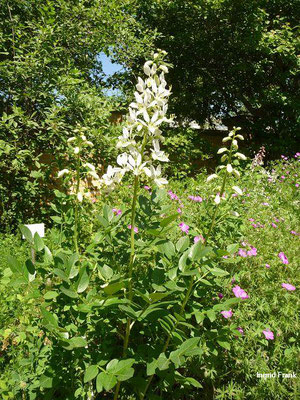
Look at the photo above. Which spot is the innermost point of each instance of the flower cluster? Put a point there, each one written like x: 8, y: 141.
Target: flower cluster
x: 231, y: 156
x: 142, y: 135
x: 84, y: 176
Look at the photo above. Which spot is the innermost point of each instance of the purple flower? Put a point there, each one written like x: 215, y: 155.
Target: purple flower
x: 147, y: 187
x: 220, y: 295
x: 116, y: 211
x: 295, y: 233
x: 227, y: 314
x: 274, y: 225
x: 239, y: 292
x: 179, y: 210
x: 288, y: 286
x: 196, y: 198
x: 197, y: 238
x: 136, y: 230
x: 240, y: 330
x: 233, y: 280
x: 283, y: 257
x: 184, y: 227
x: 267, y: 265
x: 242, y: 253
x: 252, y: 252
x: 265, y: 204
x: 269, y: 335
x: 173, y: 195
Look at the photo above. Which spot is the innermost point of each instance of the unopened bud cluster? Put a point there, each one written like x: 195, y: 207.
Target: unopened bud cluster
x: 230, y: 158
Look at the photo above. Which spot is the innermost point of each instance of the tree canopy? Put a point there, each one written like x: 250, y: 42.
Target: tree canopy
x: 232, y: 58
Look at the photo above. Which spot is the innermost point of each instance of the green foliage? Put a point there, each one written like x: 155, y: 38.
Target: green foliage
x: 63, y: 329
x: 51, y: 80
x: 234, y: 60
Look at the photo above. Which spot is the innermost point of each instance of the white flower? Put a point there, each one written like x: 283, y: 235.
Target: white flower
x: 157, y: 154
x: 237, y: 190
x: 229, y: 168
x: 79, y: 196
x: 155, y: 175
x: 76, y: 150
x: 71, y: 139
x: 211, y: 177
x: 217, y: 199
x: 90, y: 166
x: 62, y: 172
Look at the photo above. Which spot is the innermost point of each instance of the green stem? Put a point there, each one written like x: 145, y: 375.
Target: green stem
x: 131, y: 262
x: 76, y: 204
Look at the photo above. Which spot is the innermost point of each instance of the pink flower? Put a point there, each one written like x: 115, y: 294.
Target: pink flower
x: 283, y: 257
x: 269, y: 335
x: 147, y: 187
x: 136, y: 230
x: 239, y: 292
x: 240, y: 330
x: 184, y: 227
x: 265, y: 204
x: 242, y: 253
x: 294, y: 233
x: 117, y: 212
x: 297, y: 185
x: 288, y: 286
x: 252, y: 252
x: 274, y: 225
x: 227, y: 314
x: 179, y: 210
x: 196, y: 198
x: 225, y: 257
x: 173, y: 195
x: 267, y: 265
x: 251, y: 219
x: 197, y: 238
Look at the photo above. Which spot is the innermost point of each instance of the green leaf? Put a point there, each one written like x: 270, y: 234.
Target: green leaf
x: 99, y: 386
x: 153, y: 297
x: 162, y: 362
x: 83, y: 280
x: 38, y: 242
x: 50, y: 295
x: 198, y: 250
x: 113, y: 287
x: 166, y: 221
x: 49, y: 319
x: 75, y: 342
x: 46, y: 381
x: 26, y: 233
x: 31, y: 270
x: 224, y: 344
x: 233, y: 248
x: 122, y: 369
x: 177, y: 356
x: 182, y: 244
x: 90, y: 373
x: 14, y: 264
x: 167, y: 248
x: 108, y: 381
x: 219, y: 272
x: 106, y: 272
x: 68, y: 292
x: 211, y: 315
x: 58, y: 272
